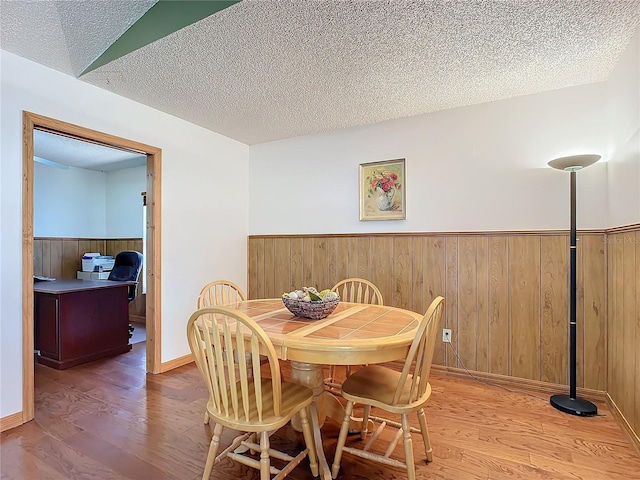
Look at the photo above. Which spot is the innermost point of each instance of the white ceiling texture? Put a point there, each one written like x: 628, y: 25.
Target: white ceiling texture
x: 263, y: 70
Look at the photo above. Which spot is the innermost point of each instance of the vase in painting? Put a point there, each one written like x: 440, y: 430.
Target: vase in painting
x: 384, y: 200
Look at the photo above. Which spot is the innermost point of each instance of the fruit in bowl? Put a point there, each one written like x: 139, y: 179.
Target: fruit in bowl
x: 308, y: 302
x: 311, y: 294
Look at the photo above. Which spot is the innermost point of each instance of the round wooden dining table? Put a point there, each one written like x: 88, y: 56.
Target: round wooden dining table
x: 353, y: 334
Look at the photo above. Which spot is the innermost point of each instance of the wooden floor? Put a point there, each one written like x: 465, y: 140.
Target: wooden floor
x: 108, y: 420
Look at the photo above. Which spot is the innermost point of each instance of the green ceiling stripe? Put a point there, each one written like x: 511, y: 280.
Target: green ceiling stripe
x: 164, y: 18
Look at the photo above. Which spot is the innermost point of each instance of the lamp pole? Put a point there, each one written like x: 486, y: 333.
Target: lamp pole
x: 571, y: 403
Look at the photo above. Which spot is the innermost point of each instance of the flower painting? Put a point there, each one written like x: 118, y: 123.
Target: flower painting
x: 382, y: 190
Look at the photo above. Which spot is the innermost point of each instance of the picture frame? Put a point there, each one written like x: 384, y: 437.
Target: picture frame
x: 382, y: 190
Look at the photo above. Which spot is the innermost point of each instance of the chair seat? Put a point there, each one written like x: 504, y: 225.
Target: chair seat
x: 376, y: 385
x: 293, y: 396
x: 395, y: 392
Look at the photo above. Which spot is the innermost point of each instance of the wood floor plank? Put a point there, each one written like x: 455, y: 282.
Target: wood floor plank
x: 109, y: 420
x: 68, y: 462
x: 579, y: 471
x: 121, y: 461
x: 174, y: 452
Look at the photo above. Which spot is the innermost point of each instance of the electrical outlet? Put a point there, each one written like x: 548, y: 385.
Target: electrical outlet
x: 446, y: 335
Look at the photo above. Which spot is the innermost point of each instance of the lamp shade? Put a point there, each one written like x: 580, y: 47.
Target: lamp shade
x: 573, y: 163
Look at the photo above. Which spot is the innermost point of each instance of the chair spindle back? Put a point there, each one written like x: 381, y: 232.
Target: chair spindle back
x: 418, y: 363
x: 220, y: 292
x: 218, y: 336
x: 358, y: 290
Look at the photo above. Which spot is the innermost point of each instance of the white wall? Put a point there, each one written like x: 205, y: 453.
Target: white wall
x: 481, y: 167
x: 204, y: 220
x: 68, y: 203
x: 623, y: 89
x: 86, y: 203
x: 124, y: 202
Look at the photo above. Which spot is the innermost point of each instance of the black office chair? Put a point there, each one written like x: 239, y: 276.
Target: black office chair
x: 127, y: 268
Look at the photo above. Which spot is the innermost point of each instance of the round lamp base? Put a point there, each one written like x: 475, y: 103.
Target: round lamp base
x: 573, y: 406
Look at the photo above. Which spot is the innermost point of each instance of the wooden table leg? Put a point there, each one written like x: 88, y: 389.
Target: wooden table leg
x: 310, y: 375
x: 324, y: 405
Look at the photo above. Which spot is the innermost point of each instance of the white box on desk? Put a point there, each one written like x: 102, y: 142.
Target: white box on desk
x: 92, y: 275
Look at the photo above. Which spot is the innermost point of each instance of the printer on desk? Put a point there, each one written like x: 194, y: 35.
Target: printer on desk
x: 94, y: 262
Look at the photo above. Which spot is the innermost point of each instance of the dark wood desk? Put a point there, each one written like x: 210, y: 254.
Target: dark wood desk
x: 77, y: 321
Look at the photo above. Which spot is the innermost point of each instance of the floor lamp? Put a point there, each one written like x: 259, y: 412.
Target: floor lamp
x: 570, y: 403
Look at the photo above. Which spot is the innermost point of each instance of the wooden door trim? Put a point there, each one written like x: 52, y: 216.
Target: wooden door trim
x: 31, y: 121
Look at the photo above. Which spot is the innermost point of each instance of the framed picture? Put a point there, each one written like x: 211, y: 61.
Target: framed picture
x: 382, y: 190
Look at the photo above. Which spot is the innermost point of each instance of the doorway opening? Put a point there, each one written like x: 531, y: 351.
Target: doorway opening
x: 33, y: 122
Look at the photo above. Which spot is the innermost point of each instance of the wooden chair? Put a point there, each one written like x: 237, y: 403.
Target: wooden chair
x: 220, y: 292
x: 352, y: 290
x: 395, y: 392
x: 255, y: 405
x: 358, y: 290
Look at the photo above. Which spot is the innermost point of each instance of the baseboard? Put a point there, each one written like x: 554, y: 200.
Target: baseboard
x: 175, y: 363
x: 624, y: 424
x: 137, y: 319
x: 11, y: 421
x: 522, y: 383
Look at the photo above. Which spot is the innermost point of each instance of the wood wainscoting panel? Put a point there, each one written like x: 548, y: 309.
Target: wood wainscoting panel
x: 46, y: 253
x: 592, y: 281
x: 62, y: 258
x: 269, y: 264
x: 402, y: 274
x: 628, y: 331
x: 499, y: 314
x: 297, y: 262
x: 482, y: 329
x: 115, y: 245
x: 554, y: 258
x: 56, y: 258
x: 71, y: 258
x: 506, y: 294
x: 468, y: 301
x: 37, y: 258
x: 255, y: 263
x: 434, y: 277
x: 338, y: 259
x: 524, y: 294
x: 623, y: 329
x: 451, y: 307
x: 307, y: 264
x: 282, y: 258
x: 320, y: 263
x: 616, y: 385
x: 363, y: 268
x: 417, y: 275
x: 383, y: 266
x: 352, y: 254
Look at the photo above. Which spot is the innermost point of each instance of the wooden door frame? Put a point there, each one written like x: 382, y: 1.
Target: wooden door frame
x: 31, y: 121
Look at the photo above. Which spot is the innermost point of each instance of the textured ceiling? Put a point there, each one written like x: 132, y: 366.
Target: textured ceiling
x: 76, y: 153
x: 68, y: 35
x: 263, y: 70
